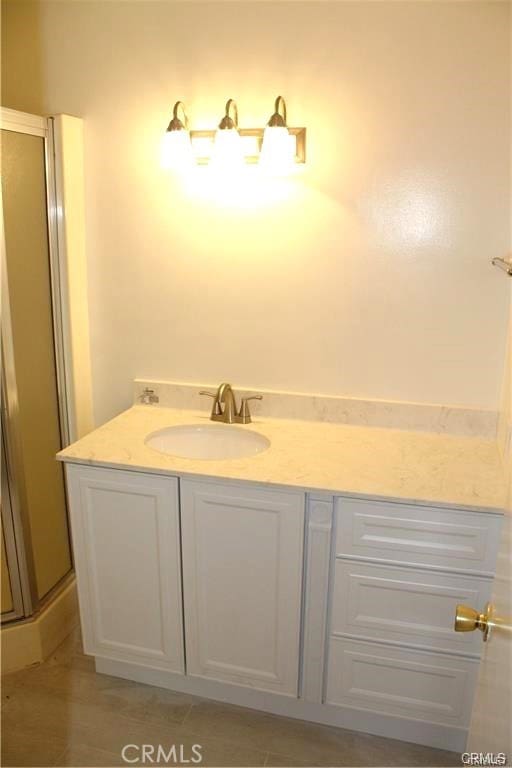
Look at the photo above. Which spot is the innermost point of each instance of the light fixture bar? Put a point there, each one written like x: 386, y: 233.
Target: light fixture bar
x: 203, y: 158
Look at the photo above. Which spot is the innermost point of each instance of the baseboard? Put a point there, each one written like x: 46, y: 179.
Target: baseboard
x: 429, y: 734
x: 30, y: 642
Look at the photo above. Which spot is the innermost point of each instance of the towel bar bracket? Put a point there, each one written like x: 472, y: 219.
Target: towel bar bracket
x: 506, y: 266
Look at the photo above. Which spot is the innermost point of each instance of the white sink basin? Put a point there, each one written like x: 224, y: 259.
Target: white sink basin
x: 208, y: 441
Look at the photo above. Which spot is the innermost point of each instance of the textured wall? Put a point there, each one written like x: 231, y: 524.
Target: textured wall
x: 367, y: 274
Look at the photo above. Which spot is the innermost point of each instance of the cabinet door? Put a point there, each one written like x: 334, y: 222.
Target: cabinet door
x: 125, y: 530
x: 242, y: 572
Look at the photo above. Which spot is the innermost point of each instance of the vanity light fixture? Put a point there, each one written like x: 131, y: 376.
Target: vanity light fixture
x: 277, y: 149
x: 176, y: 145
x: 227, y: 148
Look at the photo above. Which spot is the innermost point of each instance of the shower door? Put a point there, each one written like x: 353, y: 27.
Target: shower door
x: 12, y: 604
x: 36, y: 554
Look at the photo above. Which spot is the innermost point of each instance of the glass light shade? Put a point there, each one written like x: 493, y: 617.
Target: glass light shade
x: 227, y: 149
x: 177, y: 150
x: 277, y: 150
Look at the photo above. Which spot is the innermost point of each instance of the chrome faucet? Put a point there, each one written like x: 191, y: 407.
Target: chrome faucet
x: 224, y: 406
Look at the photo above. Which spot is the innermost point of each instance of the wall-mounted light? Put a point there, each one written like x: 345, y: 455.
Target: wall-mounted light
x: 176, y: 144
x: 227, y: 147
x: 276, y: 147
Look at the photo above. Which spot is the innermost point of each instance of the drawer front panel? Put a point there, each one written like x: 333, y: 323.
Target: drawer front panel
x: 406, y: 606
x: 417, y: 535
x: 393, y: 681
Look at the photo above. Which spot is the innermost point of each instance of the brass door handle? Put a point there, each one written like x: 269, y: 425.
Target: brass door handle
x: 467, y: 619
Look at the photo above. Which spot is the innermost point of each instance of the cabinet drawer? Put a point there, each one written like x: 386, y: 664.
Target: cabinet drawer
x: 404, y: 605
x: 407, y: 683
x: 418, y: 535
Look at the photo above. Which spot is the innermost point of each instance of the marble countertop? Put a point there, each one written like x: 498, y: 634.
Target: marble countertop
x: 370, y: 462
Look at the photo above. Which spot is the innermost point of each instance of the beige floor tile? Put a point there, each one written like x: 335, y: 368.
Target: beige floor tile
x: 70, y: 653
x: 306, y: 742
x: 315, y: 745
x: 179, y: 748
x: 62, y: 710
x: 77, y: 756
x: 11, y: 684
x: 281, y: 761
x: 148, y: 703
x: 22, y: 748
x: 114, y: 734
x: 41, y: 714
x: 111, y: 731
x: 73, y: 682
x: 226, y: 754
x: 135, y: 700
x: 400, y: 753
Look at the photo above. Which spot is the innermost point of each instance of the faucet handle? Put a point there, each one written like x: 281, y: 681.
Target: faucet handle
x: 245, y: 414
x: 216, y: 409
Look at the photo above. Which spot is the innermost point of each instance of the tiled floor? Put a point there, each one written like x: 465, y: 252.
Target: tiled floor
x: 62, y: 713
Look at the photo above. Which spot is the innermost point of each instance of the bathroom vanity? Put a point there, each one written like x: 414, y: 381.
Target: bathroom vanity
x: 279, y: 584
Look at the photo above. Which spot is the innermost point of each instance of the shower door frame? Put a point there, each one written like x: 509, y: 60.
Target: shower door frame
x: 14, y: 568
x: 18, y: 549
x: 19, y: 566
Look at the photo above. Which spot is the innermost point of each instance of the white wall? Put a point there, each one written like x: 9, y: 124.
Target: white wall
x: 492, y: 708
x: 368, y: 275
x: 505, y: 411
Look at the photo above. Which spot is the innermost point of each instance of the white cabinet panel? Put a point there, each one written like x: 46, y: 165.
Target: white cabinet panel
x: 395, y: 681
x: 242, y: 572
x: 416, y: 534
x: 414, y: 607
x: 318, y: 556
x: 125, y: 529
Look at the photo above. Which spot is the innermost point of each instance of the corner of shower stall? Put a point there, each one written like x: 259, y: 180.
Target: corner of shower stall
x: 42, y: 409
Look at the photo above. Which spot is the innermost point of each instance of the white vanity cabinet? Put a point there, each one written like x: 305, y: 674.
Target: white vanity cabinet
x: 125, y: 529
x: 242, y: 583
x: 325, y: 608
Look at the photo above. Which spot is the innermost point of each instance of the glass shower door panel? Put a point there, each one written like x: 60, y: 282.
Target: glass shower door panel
x: 28, y: 277
x: 7, y: 604
x: 12, y: 605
